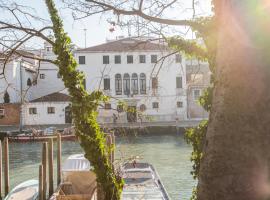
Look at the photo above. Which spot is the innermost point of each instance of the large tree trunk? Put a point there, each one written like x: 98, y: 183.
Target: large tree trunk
x: 236, y: 158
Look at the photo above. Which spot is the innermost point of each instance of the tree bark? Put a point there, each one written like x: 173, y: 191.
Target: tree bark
x: 235, y: 165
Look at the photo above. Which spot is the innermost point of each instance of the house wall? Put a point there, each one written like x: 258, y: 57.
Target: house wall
x: 12, y: 114
x: 16, y: 72
x: 167, y: 95
x: 42, y: 117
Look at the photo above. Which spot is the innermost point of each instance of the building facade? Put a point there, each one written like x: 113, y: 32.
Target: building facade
x: 146, y: 82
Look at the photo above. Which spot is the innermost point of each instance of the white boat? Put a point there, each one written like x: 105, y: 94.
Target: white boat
x: 142, y: 182
x: 27, y: 190
x: 78, y: 180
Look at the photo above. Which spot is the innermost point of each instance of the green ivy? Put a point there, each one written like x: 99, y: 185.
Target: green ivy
x: 84, y: 107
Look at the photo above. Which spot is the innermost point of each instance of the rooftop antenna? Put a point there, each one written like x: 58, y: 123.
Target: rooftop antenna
x: 85, y: 37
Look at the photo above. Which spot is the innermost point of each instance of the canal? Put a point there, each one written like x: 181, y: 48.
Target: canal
x: 168, y: 153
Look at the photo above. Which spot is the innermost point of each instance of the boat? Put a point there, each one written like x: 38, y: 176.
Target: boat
x: 27, y: 190
x: 78, y: 180
x: 142, y: 182
x: 39, y: 138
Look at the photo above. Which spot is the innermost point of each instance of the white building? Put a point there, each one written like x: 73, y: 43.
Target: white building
x: 139, y: 73
x: 145, y: 80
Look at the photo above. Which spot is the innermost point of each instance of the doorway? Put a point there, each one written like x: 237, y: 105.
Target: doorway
x: 132, y: 114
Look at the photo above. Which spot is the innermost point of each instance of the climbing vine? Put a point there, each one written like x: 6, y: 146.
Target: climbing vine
x: 84, y: 107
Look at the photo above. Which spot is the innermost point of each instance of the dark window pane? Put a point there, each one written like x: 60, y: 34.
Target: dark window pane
x: 106, y: 59
x: 117, y: 59
x: 179, y: 104
x: 142, y: 59
x: 118, y: 84
x: 155, y: 105
x: 82, y: 60
x: 153, y: 58
x: 179, y: 82
x: 107, y: 106
x: 126, y: 84
x: 107, y: 84
x: 142, y: 83
x: 154, y: 83
x: 129, y: 59
x: 178, y: 58
x: 134, y: 83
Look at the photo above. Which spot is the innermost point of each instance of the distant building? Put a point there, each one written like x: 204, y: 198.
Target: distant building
x: 145, y: 80
x: 141, y: 74
x: 198, y: 80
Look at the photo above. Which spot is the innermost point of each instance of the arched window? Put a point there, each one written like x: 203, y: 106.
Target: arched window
x: 142, y: 83
x: 29, y: 82
x: 118, y: 84
x: 134, y: 83
x: 126, y: 84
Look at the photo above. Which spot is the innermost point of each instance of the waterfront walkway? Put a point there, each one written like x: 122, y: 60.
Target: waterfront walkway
x: 177, y: 124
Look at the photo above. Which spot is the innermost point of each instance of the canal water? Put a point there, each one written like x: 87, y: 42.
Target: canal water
x: 168, y: 153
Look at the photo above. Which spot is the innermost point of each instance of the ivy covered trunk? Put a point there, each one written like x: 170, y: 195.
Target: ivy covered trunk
x: 84, y: 106
x: 236, y: 160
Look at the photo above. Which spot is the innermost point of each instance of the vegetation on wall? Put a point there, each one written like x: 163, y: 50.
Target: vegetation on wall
x: 84, y: 106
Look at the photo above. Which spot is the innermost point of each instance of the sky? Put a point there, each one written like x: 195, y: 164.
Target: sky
x: 97, y: 28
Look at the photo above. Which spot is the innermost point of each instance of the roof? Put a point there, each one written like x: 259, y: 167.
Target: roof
x: 126, y: 44
x: 54, y: 97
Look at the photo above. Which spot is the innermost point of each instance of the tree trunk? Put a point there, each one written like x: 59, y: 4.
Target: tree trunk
x: 236, y: 158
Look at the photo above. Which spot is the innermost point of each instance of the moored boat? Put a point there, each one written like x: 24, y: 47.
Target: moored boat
x: 78, y: 180
x: 142, y: 182
x: 39, y: 138
x: 27, y: 190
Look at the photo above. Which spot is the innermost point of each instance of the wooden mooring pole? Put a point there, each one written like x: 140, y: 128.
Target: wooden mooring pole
x: 6, y: 166
x: 59, y: 158
x: 50, y: 156
x: 40, y: 184
x: 44, y: 164
x: 1, y: 167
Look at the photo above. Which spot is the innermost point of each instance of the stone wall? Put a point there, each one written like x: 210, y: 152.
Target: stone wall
x: 11, y: 114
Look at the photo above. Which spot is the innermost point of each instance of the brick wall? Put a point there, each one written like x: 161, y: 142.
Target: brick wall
x: 12, y: 114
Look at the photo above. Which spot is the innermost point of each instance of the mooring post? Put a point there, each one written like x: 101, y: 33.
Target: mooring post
x: 50, y: 156
x: 45, y: 164
x: 1, y: 165
x: 109, y: 145
x: 59, y: 158
x: 6, y: 166
x: 40, y: 183
x: 113, y: 151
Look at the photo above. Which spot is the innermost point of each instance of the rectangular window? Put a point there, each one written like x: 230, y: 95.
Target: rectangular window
x: 107, y: 106
x: 179, y: 104
x: 153, y: 58
x: 117, y: 59
x: 42, y: 76
x: 118, y: 84
x: 106, y: 59
x: 129, y: 59
x: 51, y: 110
x: 2, y: 112
x: 179, y: 82
x: 196, y: 94
x: 154, y: 83
x: 107, y: 84
x: 58, y: 75
x: 178, y: 58
x: 81, y: 60
x: 155, y: 105
x: 32, y: 111
x: 142, y: 59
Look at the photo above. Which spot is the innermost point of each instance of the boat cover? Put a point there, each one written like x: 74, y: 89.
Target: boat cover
x: 27, y: 190
x: 141, y: 183
x: 76, y: 162
x: 77, y: 171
